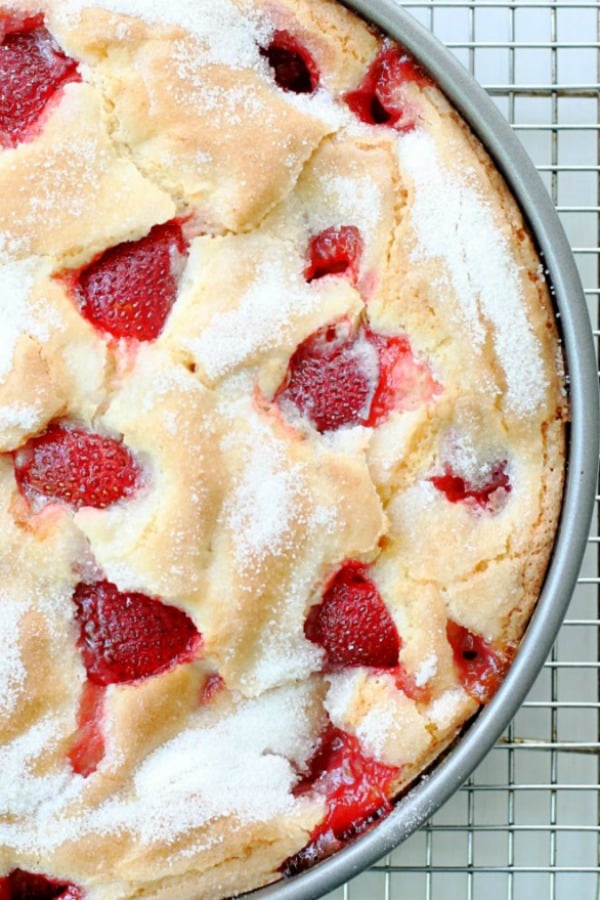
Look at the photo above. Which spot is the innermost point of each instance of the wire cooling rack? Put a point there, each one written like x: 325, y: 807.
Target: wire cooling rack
x: 526, y: 825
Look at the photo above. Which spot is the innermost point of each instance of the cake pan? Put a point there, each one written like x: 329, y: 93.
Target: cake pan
x: 431, y: 791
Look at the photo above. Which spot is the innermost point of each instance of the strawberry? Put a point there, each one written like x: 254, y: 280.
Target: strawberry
x: 482, y: 494
x: 382, y: 99
x: 33, y: 69
x: 352, y: 623
x: 20, y: 885
x: 88, y: 748
x: 337, y: 377
x: 355, y: 787
x: 335, y: 251
x: 77, y: 467
x: 124, y: 637
x: 480, y: 665
x: 129, y: 291
x: 293, y: 67
x: 328, y: 380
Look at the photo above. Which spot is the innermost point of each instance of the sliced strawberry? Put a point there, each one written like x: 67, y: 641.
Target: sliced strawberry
x: 88, y: 748
x: 480, y: 665
x: 329, y: 379
x: 20, y: 885
x: 335, y: 251
x: 382, y: 98
x: 128, y: 636
x: 404, y: 383
x: 129, y: 291
x: 338, y: 377
x: 356, y: 788
x: 352, y: 623
x: 488, y: 494
x: 293, y: 67
x: 33, y: 69
x: 76, y: 467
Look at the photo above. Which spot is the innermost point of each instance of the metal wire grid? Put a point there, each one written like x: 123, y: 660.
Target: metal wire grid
x: 526, y: 825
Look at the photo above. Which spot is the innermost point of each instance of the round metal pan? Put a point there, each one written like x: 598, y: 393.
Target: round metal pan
x: 430, y: 793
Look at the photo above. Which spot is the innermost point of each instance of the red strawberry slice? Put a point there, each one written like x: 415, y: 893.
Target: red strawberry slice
x: 489, y: 494
x: 77, y: 467
x: 338, y: 377
x: 293, y: 67
x: 480, y: 665
x: 352, y: 623
x: 33, y: 70
x: 329, y: 379
x: 356, y: 788
x: 20, y: 885
x: 129, y: 291
x: 382, y: 98
x: 128, y: 636
x: 88, y: 748
x: 335, y: 251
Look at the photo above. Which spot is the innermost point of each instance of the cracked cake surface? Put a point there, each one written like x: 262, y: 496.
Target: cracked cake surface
x: 282, y: 425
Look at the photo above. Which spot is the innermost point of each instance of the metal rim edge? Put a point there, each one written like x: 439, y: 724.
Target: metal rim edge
x: 495, y: 133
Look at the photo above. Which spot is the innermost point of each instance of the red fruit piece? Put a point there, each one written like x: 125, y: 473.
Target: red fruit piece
x: 76, y: 467
x: 329, y: 379
x: 337, y: 378
x: 127, y: 636
x: 213, y: 685
x: 293, y: 67
x: 382, y: 98
x: 20, y: 885
x: 335, y: 251
x: 352, y: 623
x: 88, y: 748
x: 404, y: 383
x: 482, y: 494
x: 129, y: 291
x: 480, y: 665
x: 356, y: 789
x: 33, y: 69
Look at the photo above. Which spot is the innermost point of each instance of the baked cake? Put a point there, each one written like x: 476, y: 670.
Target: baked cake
x: 282, y: 430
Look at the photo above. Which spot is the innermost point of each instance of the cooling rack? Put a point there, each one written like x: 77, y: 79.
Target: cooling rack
x: 526, y: 825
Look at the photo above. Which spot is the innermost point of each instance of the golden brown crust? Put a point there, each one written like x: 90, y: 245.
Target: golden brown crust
x: 244, y: 515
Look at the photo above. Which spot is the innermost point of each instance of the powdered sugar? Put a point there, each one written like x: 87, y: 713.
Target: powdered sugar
x: 343, y: 688
x: 444, y: 711
x: 427, y: 670
x: 19, y: 416
x: 262, y: 319
x: 455, y: 224
x: 12, y: 670
x: 270, y: 496
x: 227, y: 36
x: 240, y: 766
x: 16, y: 283
x: 375, y: 729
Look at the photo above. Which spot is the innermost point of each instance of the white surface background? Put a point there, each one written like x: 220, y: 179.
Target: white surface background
x: 526, y: 825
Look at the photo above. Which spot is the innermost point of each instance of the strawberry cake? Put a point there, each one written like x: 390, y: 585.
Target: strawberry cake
x: 282, y: 421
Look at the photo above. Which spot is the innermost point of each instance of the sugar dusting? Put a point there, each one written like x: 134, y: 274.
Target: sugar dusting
x: 270, y: 496
x: 263, y: 319
x: 243, y: 766
x: 444, y: 711
x: 12, y: 670
x: 276, y: 517
x: 427, y: 670
x: 226, y: 34
x: 16, y: 283
x: 454, y: 223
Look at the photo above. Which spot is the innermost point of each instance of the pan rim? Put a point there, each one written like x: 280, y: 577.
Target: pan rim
x: 495, y: 133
